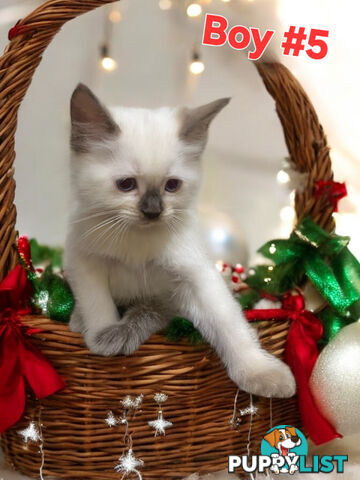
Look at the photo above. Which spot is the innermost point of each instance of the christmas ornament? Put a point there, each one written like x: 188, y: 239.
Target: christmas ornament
x: 335, y: 380
x: 233, y: 275
x: 223, y: 236
x: 51, y: 293
x: 53, y: 296
x: 160, y: 424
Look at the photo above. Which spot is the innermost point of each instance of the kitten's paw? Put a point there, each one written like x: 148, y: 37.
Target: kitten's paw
x: 267, y: 376
x: 113, y: 340
x: 76, y: 324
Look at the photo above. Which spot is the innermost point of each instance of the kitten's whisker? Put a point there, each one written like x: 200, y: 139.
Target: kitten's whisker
x: 98, y: 226
x: 95, y: 215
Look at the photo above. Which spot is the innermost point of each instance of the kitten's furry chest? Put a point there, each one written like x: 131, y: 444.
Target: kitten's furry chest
x: 131, y: 283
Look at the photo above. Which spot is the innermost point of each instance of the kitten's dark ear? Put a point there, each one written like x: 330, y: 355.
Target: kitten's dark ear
x: 90, y: 120
x: 195, y: 121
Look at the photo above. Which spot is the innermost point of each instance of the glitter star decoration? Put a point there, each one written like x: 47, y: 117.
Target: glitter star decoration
x: 111, y: 420
x: 132, y: 403
x: 160, y: 425
x: 251, y: 410
x: 160, y: 398
x: 128, y: 463
x: 30, y: 433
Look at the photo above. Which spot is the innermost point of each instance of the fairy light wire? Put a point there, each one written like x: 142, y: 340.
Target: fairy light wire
x: 250, y: 430
x: 41, y: 446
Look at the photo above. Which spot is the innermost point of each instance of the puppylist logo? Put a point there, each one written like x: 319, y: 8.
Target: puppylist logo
x: 284, y: 450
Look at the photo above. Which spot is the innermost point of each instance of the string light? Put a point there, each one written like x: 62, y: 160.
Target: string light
x: 115, y: 16
x: 196, y: 66
x: 165, y: 4
x: 282, y: 176
x: 287, y: 214
x: 107, y: 63
x: 194, y: 10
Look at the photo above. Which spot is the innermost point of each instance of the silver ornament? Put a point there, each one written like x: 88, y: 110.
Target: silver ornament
x: 335, y: 380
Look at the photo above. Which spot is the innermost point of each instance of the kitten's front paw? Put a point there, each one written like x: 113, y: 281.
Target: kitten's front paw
x: 113, y: 340
x: 266, y: 376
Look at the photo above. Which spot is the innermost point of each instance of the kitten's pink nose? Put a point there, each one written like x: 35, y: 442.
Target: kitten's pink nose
x: 151, y: 204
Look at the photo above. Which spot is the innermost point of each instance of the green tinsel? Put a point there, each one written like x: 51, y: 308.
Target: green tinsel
x: 181, y: 328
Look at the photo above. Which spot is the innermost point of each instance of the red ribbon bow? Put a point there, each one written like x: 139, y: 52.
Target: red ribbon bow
x: 301, y: 354
x: 334, y: 191
x: 20, y: 361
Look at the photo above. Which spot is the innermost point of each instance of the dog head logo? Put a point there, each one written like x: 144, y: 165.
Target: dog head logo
x: 284, y: 444
x: 283, y: 439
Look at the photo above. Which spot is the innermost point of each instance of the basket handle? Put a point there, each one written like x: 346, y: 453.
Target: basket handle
x: 304, y: 137
x: 303, y: 133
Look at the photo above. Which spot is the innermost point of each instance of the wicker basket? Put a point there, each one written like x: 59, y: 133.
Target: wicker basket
x: 77, y: 442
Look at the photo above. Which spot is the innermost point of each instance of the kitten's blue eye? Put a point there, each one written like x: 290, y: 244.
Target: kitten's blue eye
x: 172, y: 185
x: 126, y: 184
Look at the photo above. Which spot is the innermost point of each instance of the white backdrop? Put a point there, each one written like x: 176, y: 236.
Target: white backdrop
x: 152, y: 48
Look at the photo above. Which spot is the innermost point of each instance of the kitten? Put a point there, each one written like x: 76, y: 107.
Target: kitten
x: 133, y: 239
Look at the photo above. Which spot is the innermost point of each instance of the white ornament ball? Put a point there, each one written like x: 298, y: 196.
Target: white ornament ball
x: 223, y: 236
x: 335, y: 381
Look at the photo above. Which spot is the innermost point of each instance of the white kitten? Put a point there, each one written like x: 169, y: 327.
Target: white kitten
x: 133, y: 239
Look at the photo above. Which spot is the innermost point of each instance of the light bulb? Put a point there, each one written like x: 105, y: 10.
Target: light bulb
x: 282, y: 176
x: 226, y: 1
x: 287, y: 214
x: 165, y: 4
x: 194, y: 10
x: 108, y: 64
x: 196, y: 67
x: 115, y: 16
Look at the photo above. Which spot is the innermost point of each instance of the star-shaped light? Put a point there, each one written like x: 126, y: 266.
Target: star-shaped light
x: 160, y: 425
x: 138, y: 401
x: 30, y: 433
x: 111, y: 420
x: 251, y: 410
x: 128, y: 463
x: 132, y: 403
x: 127, y: 402
x: 160, y: 397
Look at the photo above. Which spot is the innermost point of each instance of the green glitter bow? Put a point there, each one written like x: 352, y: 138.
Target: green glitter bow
x: 321, y: 257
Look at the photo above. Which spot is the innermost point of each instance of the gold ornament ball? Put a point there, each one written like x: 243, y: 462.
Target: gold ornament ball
x: 335, y: 381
